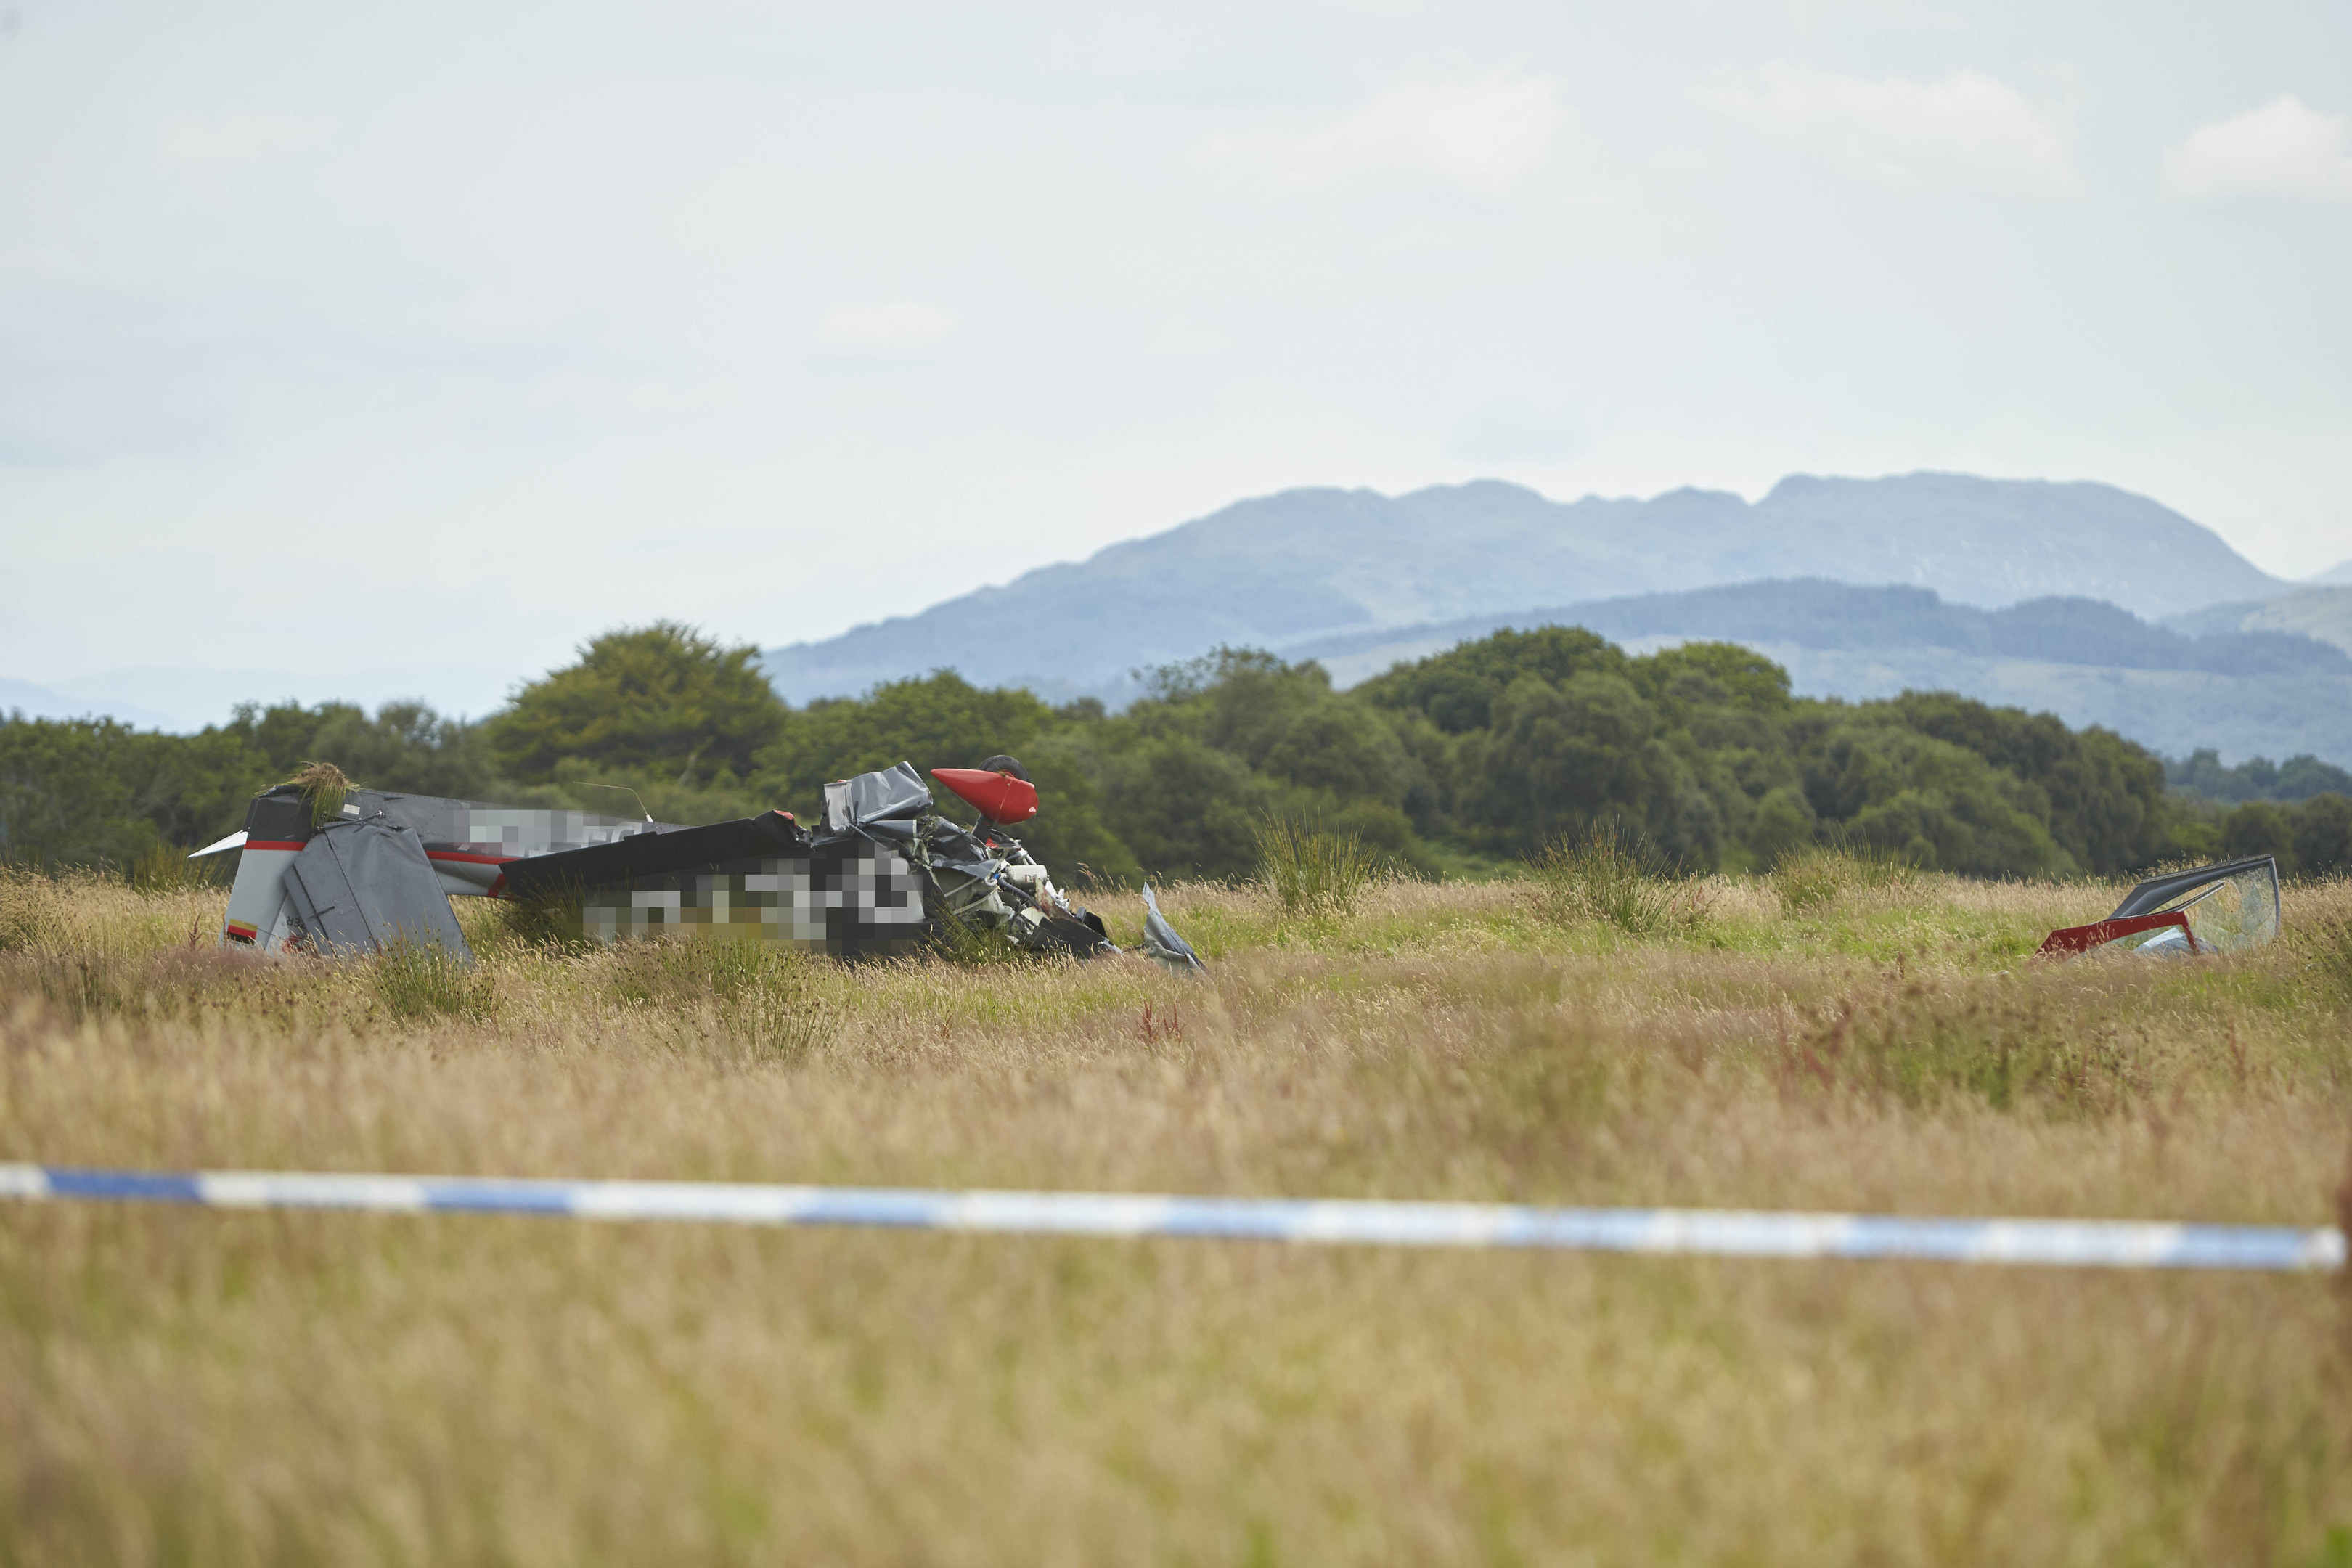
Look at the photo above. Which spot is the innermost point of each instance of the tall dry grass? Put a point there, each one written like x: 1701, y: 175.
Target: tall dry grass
x: 185, y: 1386
x: 1311, y: 871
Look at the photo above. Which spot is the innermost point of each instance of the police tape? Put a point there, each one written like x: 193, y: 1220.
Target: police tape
x: 1723, y: 1233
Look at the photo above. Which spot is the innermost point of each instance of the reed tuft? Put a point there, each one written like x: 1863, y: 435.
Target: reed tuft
x: 1311, y: 871
x: 1609, y: 875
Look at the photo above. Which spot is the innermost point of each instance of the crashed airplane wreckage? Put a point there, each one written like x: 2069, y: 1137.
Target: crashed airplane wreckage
x: 885, y: 873
x: 2223, y: 908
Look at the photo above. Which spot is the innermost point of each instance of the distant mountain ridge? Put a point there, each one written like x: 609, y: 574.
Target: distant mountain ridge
x: 2325, y: 613
x: 22, y: 697
x: 1283, y: 571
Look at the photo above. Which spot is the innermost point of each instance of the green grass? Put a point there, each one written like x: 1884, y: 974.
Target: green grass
x: 1609, y: 876
x: 224, y: 1387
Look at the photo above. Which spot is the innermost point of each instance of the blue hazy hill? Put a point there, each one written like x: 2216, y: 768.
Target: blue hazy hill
x: 1285, y: 571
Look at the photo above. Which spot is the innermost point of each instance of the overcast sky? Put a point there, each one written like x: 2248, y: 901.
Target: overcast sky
x: 351, y: 339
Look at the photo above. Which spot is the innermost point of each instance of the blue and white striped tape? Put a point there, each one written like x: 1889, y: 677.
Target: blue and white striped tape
x: 1723, y: 1233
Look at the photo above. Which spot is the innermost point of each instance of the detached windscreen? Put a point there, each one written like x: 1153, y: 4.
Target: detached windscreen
x: 2232, y: 912
x: 2223, y: 908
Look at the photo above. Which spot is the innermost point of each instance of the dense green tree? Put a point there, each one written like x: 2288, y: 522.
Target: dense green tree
x: 1185, y: 808
x: 1783, y: 822
x: 1304, y: 751
x: 406, y: 746
x: 2107, y: 796
x: 2256, y: 778
x: 67, y: 795
x: 1285, y: 721
x: 1457, y: 689
x: 939, y: 722
x: 2322, y: 827
x: 95, y: 792
x: 2261, y: 828
x: 943, y: 721
x: 1932, y: 802
x: 1696, y: 677
x: 1484, y: 749
x: 663, y: 698
x: 1557, y: 757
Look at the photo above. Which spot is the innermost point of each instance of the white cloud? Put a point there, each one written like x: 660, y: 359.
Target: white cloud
x: 235, y: 136
x: 2282, y: 149
x: 1483, y: 134
x: 1967, y: 128
x: 901, y: 330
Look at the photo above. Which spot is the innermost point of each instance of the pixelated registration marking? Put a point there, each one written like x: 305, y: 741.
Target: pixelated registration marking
x: 863, y: 899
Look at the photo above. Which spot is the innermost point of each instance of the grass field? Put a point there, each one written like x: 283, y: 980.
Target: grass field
x: 205, y: 1387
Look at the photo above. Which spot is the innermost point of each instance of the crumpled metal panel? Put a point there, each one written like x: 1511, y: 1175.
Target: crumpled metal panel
x: 882, y: 800
x: 360, y: 887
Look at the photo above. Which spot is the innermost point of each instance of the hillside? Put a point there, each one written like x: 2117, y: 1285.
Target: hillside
x: 22, y: 697
x: 1284, y: 570
x: 2325, y: 613
x: 2263, y: 692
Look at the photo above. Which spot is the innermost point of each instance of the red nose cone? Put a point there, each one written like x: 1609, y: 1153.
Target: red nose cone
x: 998, y: 797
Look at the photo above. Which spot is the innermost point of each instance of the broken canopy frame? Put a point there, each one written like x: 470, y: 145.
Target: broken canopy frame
x: 2223, y: 907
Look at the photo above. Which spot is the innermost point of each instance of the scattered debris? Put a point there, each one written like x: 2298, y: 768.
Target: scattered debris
x: 885, y: 872
x: 1162, y: 945
x: 2223, y: 908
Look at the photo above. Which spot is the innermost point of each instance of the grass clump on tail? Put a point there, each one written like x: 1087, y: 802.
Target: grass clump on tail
x: 1313, y: 872
x: 324, y: 786
x: 1608, y: 876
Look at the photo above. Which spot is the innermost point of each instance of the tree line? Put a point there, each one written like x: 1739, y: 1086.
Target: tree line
x: 1456, y: 764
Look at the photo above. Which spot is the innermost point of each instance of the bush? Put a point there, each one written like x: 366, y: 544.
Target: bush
x: 1609, y: 876
x: 1312, y: 871
x: 1783, y: 826
x: 1820, y: 875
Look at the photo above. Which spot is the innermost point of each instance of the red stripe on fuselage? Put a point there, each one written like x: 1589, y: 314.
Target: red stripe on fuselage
x: 470, y: 859
x: 271, y: 844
